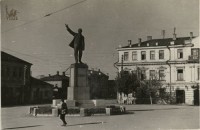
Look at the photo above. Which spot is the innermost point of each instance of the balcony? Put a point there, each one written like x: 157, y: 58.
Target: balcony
x: 193, y: 59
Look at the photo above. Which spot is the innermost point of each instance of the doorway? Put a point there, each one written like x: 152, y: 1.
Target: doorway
x: 180, y: 96
x: 196, y: 97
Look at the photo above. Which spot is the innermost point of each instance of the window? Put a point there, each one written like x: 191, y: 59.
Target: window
x: 134, y: 55
x: 143, y: 55
x: 143, y: 75
x: 180, y: 53
x: 152, y: 55
x: 8, y: 71
x: 198, y: 73
x: 152, y: 74
x: 195, y: 53
x: 125, y: 56
x: 180, y: 74
x: 14, y: 72
x: 161, y: 75
x: 161, y: 54
x: 20, y: 72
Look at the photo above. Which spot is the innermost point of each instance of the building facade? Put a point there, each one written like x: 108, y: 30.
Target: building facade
x: 41, y: 92
x: 98, y: 83
x: 17, y: 85
x: 15, y: 80
x: 60, y: 83
x: 112, y: 90
x: 173, y: 61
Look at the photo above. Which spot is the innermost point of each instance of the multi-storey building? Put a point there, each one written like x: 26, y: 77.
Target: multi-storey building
x: 174, y: 61
x: 17, y: 85
x: 15, y: 80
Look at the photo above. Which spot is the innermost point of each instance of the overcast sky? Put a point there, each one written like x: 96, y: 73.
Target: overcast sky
x: 43, y: 41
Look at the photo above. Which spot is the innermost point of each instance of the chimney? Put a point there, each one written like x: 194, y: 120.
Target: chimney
x: 99, y: 70
x: 49, y: 75
x: 63, y: 73
x: 57, y: 72
x: 163, y: 34
x: 129, y: 41
x: 174, y: 35
x: 149, y: 38
x: 191, y: 35
x: 139, y: 40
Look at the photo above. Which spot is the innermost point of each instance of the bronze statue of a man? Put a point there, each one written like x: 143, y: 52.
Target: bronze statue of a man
x: 77, y: 43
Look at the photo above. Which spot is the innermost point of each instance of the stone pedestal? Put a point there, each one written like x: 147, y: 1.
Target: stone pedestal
x: 108, y: 111
x: 56, y: 102
x: 78, y: 87
x: 55, y: 112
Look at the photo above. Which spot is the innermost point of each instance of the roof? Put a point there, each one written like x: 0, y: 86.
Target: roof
x: 35, y: 82
x: 10, y: 58
x: 97, y: 73
x: 55, y: 78
x: 159, y: 42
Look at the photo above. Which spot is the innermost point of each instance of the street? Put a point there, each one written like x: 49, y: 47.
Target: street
x: 139, y: 117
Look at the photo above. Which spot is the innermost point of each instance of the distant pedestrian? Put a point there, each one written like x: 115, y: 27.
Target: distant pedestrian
x: 63, y: 112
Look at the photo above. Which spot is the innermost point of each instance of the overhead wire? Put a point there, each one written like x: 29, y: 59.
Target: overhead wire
x: 49, y: 14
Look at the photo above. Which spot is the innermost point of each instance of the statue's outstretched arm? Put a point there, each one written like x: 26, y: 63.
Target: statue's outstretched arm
x: 69, y: 30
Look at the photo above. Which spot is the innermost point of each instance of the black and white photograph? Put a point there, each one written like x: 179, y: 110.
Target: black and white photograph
x: 100, y: 65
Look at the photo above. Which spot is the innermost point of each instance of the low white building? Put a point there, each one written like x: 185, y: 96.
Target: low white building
x: 175, y: 61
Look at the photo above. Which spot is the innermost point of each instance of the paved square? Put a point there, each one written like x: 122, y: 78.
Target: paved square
x: 140, y: 117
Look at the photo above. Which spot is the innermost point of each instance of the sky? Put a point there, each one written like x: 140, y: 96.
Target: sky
x: 43, y: 41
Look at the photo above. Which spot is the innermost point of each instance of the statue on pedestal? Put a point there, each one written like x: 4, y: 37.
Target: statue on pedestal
x: 77, y: 43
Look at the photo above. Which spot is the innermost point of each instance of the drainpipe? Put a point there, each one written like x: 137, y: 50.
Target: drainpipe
x: 170, y: 78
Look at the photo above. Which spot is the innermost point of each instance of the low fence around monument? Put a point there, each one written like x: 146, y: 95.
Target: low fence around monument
x: 102, y: 102
x: 41, y: 110
x: 76, y: 111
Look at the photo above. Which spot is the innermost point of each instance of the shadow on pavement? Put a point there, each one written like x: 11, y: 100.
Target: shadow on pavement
x: 153, y: 109
x: 88, y: 123
x: 22, y: 127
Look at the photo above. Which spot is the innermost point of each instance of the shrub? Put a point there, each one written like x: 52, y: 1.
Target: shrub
x: 74, y: 110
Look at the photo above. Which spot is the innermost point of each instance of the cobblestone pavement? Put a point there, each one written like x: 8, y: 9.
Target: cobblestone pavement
x: 139, y: 117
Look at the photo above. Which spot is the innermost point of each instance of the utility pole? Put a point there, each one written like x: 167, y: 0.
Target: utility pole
x: 122, y: 65
x: 122, y: 61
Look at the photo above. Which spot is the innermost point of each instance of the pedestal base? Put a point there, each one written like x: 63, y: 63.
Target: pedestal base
x: 78, y: 93
x: 78, y: 88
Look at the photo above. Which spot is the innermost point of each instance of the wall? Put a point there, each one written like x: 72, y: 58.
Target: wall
x: 15, y: 83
